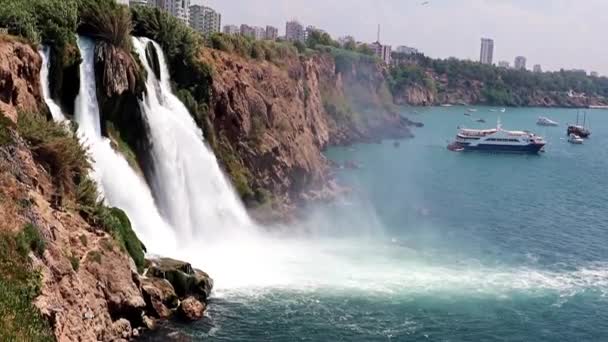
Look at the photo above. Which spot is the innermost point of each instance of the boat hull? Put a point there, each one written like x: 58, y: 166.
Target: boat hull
x: 495, y: 148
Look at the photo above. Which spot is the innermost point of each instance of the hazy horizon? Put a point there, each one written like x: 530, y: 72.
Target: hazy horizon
x: 556, y: 34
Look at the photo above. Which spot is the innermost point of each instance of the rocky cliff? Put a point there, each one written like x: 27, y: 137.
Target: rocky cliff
x: 272, y: 120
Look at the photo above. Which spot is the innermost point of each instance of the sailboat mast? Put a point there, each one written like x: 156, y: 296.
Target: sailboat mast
x: 585, y: 119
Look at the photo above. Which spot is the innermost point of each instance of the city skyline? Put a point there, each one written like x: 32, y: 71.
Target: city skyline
x: 444, y: 29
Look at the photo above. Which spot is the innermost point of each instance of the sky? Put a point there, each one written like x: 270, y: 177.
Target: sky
x: 569, y: 34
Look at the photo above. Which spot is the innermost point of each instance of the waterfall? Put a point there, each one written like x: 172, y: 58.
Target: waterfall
x: 44, y: 82
x: 187, y: 182
x: 120, y: 185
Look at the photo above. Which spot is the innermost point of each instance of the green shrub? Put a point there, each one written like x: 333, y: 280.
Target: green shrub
x: 19, y: 285
x: 57, y: 150
x: 31, y: 239
x: 107, y: 21
x: 41, y: 21
x: 75, y: 262
x: 94, y: 257
x: 6, y: 127
x: 83, y: 240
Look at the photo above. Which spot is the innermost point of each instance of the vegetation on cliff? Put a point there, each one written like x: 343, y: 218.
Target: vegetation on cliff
x: 19, y: 285
x: 493, y: 85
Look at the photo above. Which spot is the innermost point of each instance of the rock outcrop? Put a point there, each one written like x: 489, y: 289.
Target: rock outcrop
x: 191, y: 309
x: 19, y: 78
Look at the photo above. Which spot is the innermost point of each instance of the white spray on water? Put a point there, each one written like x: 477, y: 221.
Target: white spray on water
x: 120, y: 185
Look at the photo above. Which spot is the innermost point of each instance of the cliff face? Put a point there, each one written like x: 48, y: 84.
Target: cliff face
x: 275, y: 118
x: 19, y: 78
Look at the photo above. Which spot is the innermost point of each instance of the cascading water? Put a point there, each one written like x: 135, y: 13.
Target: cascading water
x: 188, y: 184
x: 44, y: 82
x: 120, y: 185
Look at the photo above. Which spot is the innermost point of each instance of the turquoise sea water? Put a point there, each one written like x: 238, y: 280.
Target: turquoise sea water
x: 434, y: 245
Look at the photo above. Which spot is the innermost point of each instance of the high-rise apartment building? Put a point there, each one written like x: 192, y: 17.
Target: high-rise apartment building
x: 520, y: 63
x: 294, y: 31
x: 272, y: 33
x: 487, y: 51
x: 205, y: 20
x: 178, y: 8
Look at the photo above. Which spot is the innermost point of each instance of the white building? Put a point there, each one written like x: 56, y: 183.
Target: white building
x: 406, y: 50
x: 294, y: 31
x: 537, y: 68
x: 231, y: 29
x: 487, y: 51
x: 178, y: 8
x: 504, y: 64
x: 205, y: 20
x: 272, y: 33
x: 382, y: 51
x: 123, y: 2
x: 520, y: 63
x: 595, y: 74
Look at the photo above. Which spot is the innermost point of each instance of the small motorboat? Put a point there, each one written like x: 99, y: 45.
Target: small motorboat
x: 481, y: 120
x: 575, y: 139
x: 467, y: 114
x: 503, y: 110
x: 446, y: 105
x: 472, y: 110
x: 545, y: 121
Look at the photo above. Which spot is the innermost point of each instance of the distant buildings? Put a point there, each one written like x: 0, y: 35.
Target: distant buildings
x: 247, y: 31
x: 259, y: 33
x: 537, y: 68
x: 231, y: 29
x: 520, y: 63
x: 487, y: 51
x: 272, y: 33
x: 294, y: 31
x: 406, y: 50
x: 381, y: 51
x: 504, y: 64
x: 594, y: 74
x: 178, y: 8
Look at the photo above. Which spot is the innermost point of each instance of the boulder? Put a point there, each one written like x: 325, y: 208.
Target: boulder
x: 160, y: 297
x: 121, y: 329
x: 186, y: 280
x: 191, y: 309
